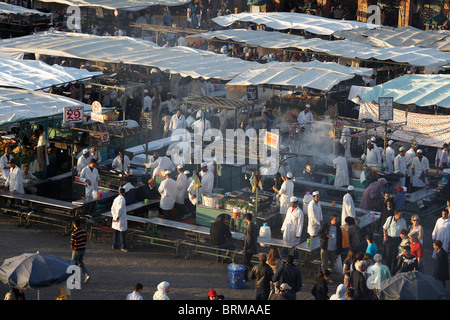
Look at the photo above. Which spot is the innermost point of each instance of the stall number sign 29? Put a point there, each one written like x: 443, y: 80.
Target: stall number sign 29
x: 73, y: 114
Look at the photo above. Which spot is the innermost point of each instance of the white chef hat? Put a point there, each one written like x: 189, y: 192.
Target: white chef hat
x: 167, y: 172
x: 350, y: 188
x: 308, y: 106
x: 289, y: 175
x: 293, y: 199
x: 390, y: 142
x: 373, y: 139
x: 180, y: 166
x: 401, y: 149
x: 85, y: 151
x: 315, y: 193
x: 186, y: 172
x: 419, y: 151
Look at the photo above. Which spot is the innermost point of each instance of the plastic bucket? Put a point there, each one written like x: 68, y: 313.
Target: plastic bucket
x: 236, y: 276
x: 446, y: 174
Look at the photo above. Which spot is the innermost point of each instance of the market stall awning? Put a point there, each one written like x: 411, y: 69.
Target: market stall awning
x: 17, y: 104
x: 316, y: 75
x: 413, y: 89
x: 289, y: 20
x: 407, y: 36
x: 6, y: 8
x: 179, y: 60
x: 425, y: 129
x: 412, y: 55
x: 35, y: 75
x: 128, y: 5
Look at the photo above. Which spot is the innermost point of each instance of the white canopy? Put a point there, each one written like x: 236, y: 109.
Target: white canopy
x: 128, y: 5
x: 417, y: 89
x: 407, y: 36
x: 17, y: 104
x: 182, y: 60
x: 6, y: 8
x: 289, y: 20
x: 315, y: 75
x: 415, y: 56
x: 35, y: 75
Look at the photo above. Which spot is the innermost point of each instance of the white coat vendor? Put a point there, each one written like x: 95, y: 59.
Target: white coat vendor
x: 293, y: 223
x: 285, y: 193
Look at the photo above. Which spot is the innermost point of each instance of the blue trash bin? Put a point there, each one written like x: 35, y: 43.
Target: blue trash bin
x: 236, y: 276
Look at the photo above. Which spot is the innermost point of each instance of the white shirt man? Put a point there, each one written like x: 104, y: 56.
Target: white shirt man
x: 119, y: 213
x: 420, y: 167
x: 90, y: 177
x: 390, y: 156
x: 346, y: 141
x: 441, y: 231
x: 305, y: 118
x: 200, y: 126
x: 117, y: 162
x: 293, y: 223
x: 315, y: 216
x: 94, y: 153
x: 285, y: 193
x: 168, y: 190
x: 162, y: 164
x: 373, y: 155
x: 4, y: 162
x: 207, y: 179
x: 342, y: 177
x: 83, y: 161
x: 181, y: 186
x: 409, y: 157
x: 400, y: 166
x: 15, y: 178
x: 177, y: 121
x: 348, y: 206
x: 147, y: 102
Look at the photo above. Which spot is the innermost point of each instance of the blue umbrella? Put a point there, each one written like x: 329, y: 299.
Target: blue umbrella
x: 34, y: 270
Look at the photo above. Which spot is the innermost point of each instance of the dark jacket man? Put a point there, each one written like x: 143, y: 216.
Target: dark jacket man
x: 291, y: 275
x: 263, y: 274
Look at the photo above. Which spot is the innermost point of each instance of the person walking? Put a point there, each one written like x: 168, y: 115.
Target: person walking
x: 250, y: 244
x: 78, y: 240
x: 290, y: 274
x: 119, y: 222
x: 263, y: 274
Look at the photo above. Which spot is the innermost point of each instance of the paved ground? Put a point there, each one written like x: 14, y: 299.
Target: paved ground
x: 113, y: 273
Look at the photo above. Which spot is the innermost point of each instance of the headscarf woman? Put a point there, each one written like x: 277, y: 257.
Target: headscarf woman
x: 163, y: 289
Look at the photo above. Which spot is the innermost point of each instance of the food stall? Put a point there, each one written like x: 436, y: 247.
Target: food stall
x: 108, y: 137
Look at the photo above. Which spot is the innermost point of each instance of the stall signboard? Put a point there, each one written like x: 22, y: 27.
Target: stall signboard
x: 96, y: 113
x: 146, y: 120
x: 104, y: 137
x: 272, y: 139
x: 252, y: 93
x: 73, y: 114
x: 386, y: 108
